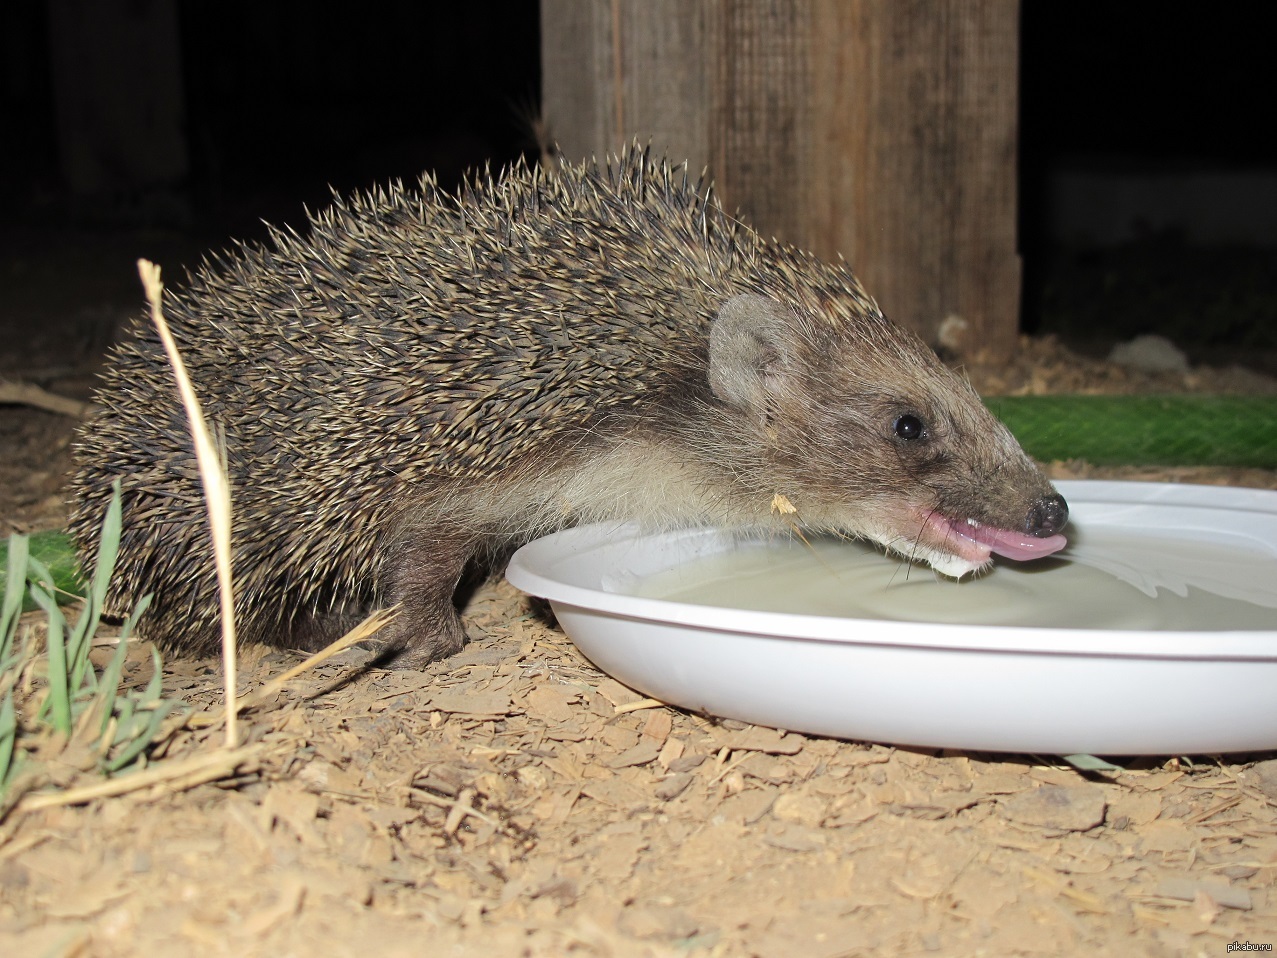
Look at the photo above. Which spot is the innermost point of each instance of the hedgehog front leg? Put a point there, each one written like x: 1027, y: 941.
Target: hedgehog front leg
x: 421, y: 578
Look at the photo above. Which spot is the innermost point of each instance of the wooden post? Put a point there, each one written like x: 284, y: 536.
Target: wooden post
x: 758, y: 138
x: 913, y: 173
x: 881, y: 130
x: 616, y: 70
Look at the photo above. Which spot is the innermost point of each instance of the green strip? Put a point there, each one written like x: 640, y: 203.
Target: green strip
x: 1145, y: 430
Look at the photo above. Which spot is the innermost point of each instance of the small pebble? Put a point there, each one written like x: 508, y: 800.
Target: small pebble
x: 1151, y: 354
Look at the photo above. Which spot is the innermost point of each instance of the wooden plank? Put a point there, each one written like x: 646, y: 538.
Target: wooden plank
x: 913, y: 158
x: 881, y: 130
x: 616, y: 70
x: 760, y: 111
x: 575, y: 71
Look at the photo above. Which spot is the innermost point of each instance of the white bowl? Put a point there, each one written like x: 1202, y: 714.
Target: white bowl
x: 1061, y: 689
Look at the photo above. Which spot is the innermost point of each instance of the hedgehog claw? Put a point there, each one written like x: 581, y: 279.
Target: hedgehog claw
x: 404, y: 644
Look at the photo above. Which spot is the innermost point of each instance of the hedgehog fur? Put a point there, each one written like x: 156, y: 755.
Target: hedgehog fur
x: 422, y: 381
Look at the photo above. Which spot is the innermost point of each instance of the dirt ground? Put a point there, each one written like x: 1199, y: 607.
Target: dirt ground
x: 513, y: 800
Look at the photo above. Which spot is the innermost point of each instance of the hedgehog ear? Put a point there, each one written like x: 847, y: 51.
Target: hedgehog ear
x: 746, y: 344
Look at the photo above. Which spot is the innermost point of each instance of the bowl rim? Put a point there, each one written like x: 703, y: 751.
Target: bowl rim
x: 537, y: 568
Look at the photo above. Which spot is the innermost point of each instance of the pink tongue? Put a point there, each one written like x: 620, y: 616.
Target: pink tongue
x: 1012, y: 545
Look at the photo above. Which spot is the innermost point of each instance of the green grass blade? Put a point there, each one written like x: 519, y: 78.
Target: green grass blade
x: 152, y: 713
x: 86, y: 625
x: 142, y: 740
x: 79, y: 639
x: 1090, y: 763
x: 143, y: 604
x: 79, y: 702
x: 39, y: 574
x: 8, y: 739
x: 58, y: 705
x: 109, y: 683
x: 14, y: 589
x: 155, y: 687
x: 108, y: 547
x: 125, y: 716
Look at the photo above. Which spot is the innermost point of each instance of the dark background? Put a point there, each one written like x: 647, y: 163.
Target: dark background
x: 1168, y: 103
x: 280, y: 100
x: 283, y: 99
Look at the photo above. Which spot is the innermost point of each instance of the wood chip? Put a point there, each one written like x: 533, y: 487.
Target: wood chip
x: 1073, y: 809
x: 640, y: 754
x: 670, y: 752
x: 554, y: 703
x: 617, y: 694
x: 1188, y: 889
x: 658, y: 725
x: 747, y: 807
x: 801, y: 807
x: 1263, y: 776
x: 483, y: 704
x: 673, y: 786
x: 758, y: 739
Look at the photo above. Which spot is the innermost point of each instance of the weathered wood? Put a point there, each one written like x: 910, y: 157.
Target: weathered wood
x: 761, y: 110
x: 614, y: 70
x: 913, y: 170
x: 881, y: 130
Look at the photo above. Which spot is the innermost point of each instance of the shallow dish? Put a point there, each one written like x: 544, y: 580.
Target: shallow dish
x: 1077, y: 684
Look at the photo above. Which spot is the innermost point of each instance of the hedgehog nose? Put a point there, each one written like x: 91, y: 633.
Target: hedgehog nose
x: 1047, y: 516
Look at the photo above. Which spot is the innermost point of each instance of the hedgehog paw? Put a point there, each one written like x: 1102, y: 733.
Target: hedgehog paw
x: 409, y: 647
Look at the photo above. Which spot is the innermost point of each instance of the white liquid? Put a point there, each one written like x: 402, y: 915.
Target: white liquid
x: 1108, y: 580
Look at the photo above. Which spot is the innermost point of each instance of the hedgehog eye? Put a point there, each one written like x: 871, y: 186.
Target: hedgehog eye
x: 908, y: 427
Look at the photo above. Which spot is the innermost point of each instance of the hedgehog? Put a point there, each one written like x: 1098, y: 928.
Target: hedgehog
x: 423, y: 381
